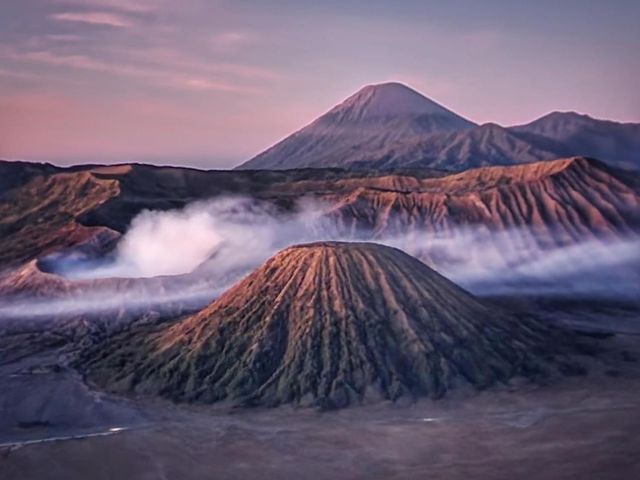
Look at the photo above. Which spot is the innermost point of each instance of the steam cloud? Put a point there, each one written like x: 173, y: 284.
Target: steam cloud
x: 189, y: 256
x: 514, y: 263
x: 218, y: 236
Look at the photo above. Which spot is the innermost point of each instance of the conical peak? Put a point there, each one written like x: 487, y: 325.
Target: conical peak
x: 374, y: 118
x: 336, y: 246
x: 357, y: 261
x: 391, y: 89
x: 329, y: 324
x: 336, y: 277
x: 390, y: 99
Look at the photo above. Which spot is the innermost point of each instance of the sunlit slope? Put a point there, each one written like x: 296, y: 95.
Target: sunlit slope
x: 329, y: 324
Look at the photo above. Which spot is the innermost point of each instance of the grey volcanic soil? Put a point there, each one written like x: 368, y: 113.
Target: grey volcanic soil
x: 582, y: 428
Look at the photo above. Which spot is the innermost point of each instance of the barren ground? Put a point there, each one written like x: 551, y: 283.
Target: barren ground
x: 582, y: 428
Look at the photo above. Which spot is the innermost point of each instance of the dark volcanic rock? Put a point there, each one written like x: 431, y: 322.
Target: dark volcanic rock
x: 328, y: 324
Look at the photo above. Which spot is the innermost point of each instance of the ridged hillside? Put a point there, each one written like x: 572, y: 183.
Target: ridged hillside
x: 565, y: 200
x: 328, y: 324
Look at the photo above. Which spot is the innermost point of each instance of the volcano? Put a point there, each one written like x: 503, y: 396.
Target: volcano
x: 391, y: 126
x: 327, y: 324
x: 360, y: 128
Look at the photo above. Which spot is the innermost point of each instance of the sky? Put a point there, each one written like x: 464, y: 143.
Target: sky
x: 210, y: 83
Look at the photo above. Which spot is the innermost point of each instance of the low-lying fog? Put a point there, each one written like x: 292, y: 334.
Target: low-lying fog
x: 207, y: 246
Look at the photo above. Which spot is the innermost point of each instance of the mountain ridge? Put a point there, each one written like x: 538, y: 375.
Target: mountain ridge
x: 388, y: 99
x: 566, y: 200
x: 404, y: 129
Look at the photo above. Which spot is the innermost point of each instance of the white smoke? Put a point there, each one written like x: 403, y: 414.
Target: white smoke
x: 515, y: 263
x: 219, y: 236
x: 206, y: 247
x: 160, y: 243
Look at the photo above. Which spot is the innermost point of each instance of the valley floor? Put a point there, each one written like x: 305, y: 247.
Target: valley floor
x: 54, y: 427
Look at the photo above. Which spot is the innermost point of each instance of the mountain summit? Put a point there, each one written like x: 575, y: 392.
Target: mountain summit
x: 329, y: 324
x: 389, y: 126
x: 574, y: 134
x: 360, y: 127
x: 378, y: 102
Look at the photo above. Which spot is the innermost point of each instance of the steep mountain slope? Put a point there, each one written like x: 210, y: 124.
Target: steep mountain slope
x: 41, y: 215
x: 569, y: 133
x: 328, y: 324
x: 563, y: 201
x: 390, y: 126
x: 486, y: 145
x: 362, y: 125
x: 14, y: 174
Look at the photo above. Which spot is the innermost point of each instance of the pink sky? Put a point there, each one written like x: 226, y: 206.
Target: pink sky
x: 211, y: 83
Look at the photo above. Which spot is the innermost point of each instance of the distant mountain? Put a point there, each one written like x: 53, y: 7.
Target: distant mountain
x: 391, y: 126
x: 569, y: 133
x: 361, y: 127
x: 485, y: 145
